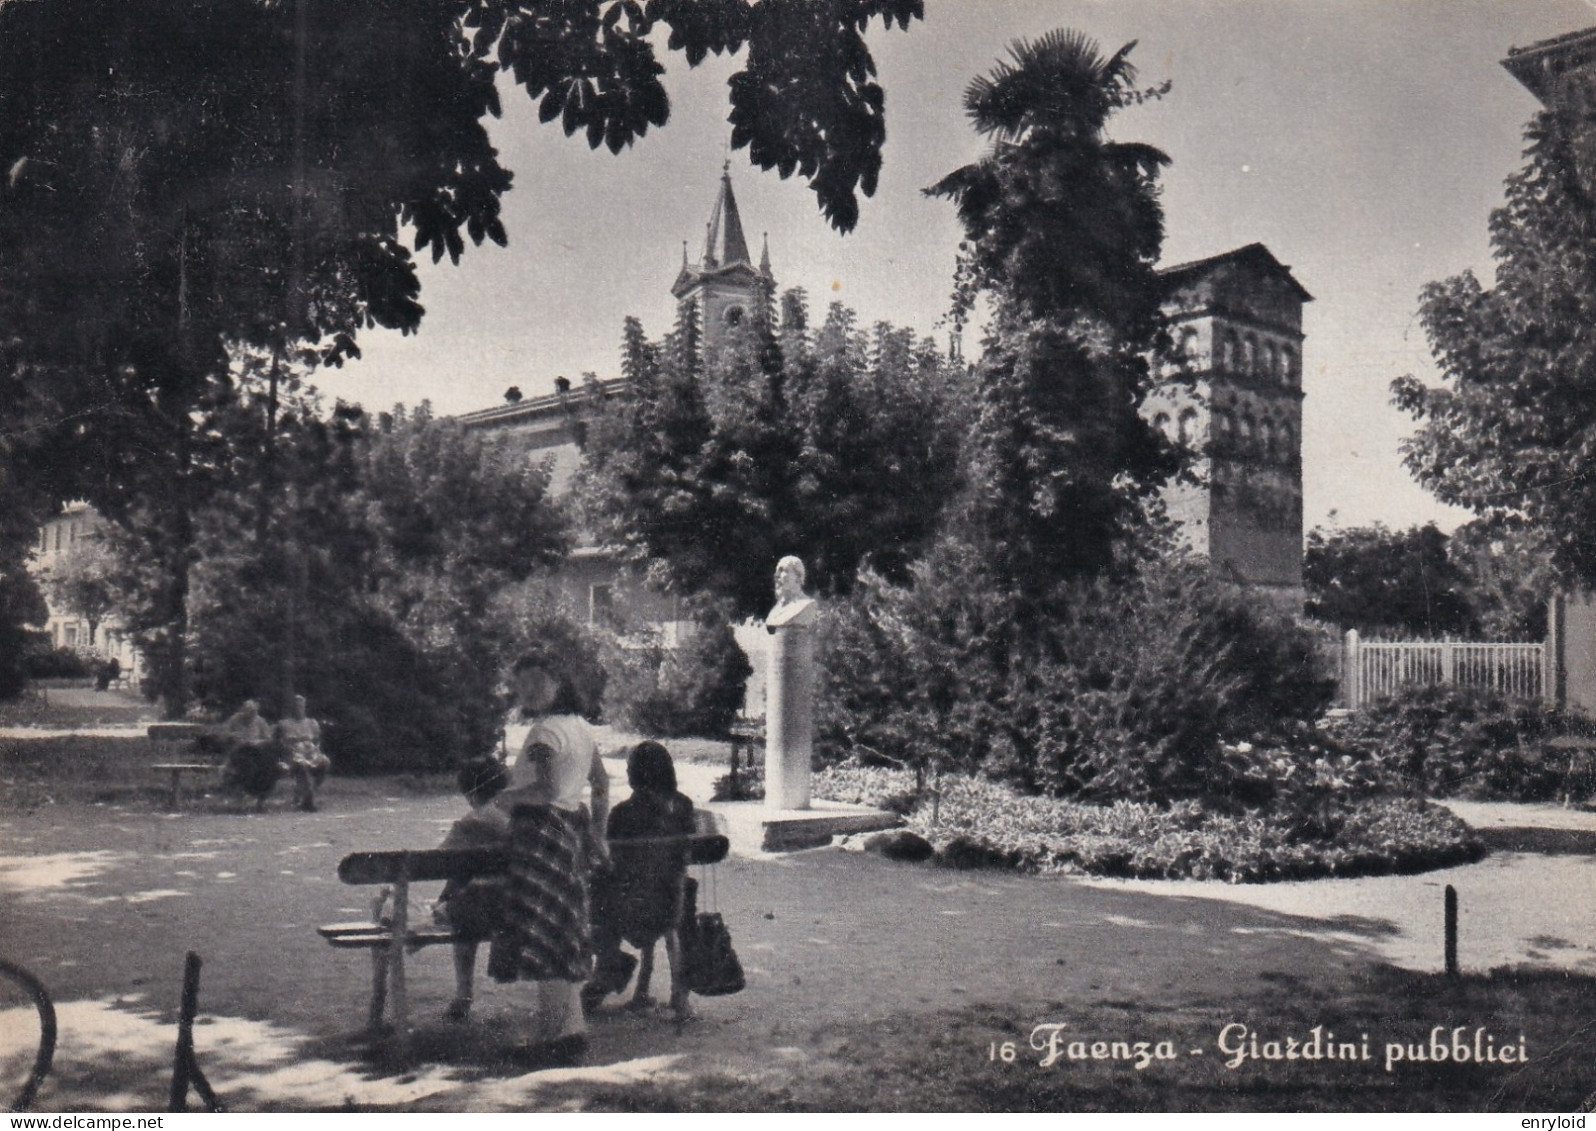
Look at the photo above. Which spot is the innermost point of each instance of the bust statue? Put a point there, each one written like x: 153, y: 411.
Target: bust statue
x: 789, y: 690
x: 792, y: 606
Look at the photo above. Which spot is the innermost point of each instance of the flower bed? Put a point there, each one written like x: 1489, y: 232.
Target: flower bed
x: 978, y: 823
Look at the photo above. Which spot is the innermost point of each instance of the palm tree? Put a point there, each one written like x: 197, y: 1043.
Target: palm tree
x: 1057, y: 216
x: 1063, y: 230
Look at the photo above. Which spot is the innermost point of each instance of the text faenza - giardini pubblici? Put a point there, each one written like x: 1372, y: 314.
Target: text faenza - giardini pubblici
x: 1239, y: 1045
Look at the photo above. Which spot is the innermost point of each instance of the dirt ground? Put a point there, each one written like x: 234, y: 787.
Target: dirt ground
x: 103, y: 901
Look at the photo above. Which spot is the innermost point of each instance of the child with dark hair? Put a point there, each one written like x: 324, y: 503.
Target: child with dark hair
x: 640, y: 901
x: 472, y: 908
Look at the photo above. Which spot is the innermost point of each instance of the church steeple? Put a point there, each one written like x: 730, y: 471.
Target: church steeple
x: 725, y: 284
x: 725, y: 244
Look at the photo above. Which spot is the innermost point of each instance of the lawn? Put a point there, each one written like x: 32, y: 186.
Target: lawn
x: 958, y: 1060
x: 70, y: 704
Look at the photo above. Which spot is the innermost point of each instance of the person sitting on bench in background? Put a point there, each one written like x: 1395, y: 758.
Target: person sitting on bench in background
x: 472, y: 908
x: 254, y: 761
x: 640, y: 898
x: 300, y: 737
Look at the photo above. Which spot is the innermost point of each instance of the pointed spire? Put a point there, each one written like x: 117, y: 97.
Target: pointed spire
x: 725, y: 243
x: 764, y: 254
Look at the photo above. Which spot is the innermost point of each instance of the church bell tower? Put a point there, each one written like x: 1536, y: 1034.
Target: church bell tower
x: 725, y: 285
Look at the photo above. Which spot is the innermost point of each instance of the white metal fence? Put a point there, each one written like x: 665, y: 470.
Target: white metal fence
x: 1375, y: 668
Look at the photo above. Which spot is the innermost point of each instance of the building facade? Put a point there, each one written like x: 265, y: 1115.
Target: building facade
x: 68, y: 536
x: 1561, y: 73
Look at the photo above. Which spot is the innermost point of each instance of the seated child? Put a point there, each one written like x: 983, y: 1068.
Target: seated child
x: 640, y: 900
x: 471, y: 908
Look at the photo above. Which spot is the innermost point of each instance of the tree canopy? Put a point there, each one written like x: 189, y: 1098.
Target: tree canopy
x: 1489, y: 579
x: 178, y: 176
x: 407, y: 533
x: 1378, y: 580
x: 184, y: 179
x: 1512, y: 429
x: 837, y: 445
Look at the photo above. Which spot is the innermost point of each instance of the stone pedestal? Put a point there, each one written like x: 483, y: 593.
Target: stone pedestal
x: 789, y: 713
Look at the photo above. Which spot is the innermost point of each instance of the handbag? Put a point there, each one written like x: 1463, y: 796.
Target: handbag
x: 712, y: 965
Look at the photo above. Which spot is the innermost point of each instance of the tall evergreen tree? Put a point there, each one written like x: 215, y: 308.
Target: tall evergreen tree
x: 1063, y: 230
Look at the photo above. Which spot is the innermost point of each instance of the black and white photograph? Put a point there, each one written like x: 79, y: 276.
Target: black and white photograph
x: 802, y: 556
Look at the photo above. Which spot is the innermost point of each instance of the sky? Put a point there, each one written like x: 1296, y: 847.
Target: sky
x: 1365, y: 142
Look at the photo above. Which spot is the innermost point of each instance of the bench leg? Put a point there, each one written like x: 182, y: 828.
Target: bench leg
x: 379, y: 988
x: 396, y: 970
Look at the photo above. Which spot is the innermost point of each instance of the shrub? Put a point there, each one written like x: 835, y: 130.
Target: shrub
x: 1155, y: 674
x: 914, y: 675
x: 1462, y: 742
x: 1128, y: 694
x: 874, y: 786
x: 749, y: 784
x: 694, y: 688
x: 44, y: 662
x: 389, y: 705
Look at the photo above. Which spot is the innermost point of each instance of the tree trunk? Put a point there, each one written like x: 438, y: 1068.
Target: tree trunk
x: 170, y: 659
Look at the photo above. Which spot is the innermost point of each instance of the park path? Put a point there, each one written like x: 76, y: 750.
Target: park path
x: 102, y: 902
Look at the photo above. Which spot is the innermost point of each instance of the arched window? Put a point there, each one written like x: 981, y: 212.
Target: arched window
x: 734, y: 316
x: 1186, y: 429
x: 1288, y: 367
x: 1266, y: 435
x: 1249, y: 432
x: 1249, y: 354
x: 1271, y: 361
x: 1288, y: 441
x: 1227, y: 350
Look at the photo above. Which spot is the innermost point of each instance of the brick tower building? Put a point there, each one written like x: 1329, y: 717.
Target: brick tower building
x: 1238, y: 319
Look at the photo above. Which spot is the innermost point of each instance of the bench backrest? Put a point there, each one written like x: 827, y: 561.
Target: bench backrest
x: 177, y: 732
x: 428, y: 864
x: 464, y: 863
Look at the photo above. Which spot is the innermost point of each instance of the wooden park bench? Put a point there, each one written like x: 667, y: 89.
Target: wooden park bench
x: 390, y: 941
x: 186, y: 736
